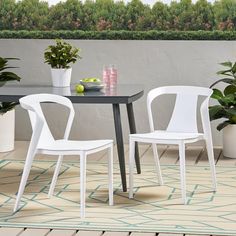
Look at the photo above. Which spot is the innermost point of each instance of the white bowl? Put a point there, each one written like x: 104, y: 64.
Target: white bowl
x: 92, y: 85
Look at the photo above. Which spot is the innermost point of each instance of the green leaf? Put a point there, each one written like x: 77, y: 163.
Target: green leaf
x: 7, y: 67
x: 217, y: 94
x: 231, y: 111
x: 222, y: 125
x: 9, y: 76
x: 227, y: 64
x: 227, y: 101
x: 234, y: 68
x: 216, y: 112
x: 231, y: 89
x: 7, y: 106
x: 232, y: 119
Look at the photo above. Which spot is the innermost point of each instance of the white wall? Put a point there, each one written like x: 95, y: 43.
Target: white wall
x: 152, y: 63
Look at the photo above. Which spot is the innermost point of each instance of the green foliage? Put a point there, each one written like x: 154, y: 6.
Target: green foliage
x: 225, y: 14
x: 7, y: 106
x: 203, y: 16
x: 7, y: 75
x: 120, y: 35
x: 161, y: 16
x: 104, y: 15
x: 4, y: 77
x: 61, y: 55
x: 226, y: 99
x: 66, y: 15
x: 7, y: 13
x: 30, y: 15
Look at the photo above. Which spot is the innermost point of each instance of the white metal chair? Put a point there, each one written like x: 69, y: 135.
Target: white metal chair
x: 43, y: 142
x: 182, y: 129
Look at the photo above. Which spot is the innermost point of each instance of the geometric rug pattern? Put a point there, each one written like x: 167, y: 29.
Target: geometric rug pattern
x: 154, y: 208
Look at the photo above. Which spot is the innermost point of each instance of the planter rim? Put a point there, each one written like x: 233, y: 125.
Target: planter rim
x: 230, y: 125
x: 61, y: 68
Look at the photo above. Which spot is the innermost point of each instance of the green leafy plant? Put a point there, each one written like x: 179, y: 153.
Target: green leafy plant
x: 120, y: 35
x: 226, y: 108
x: 61, y: 55
x: 117, y: 15
x: 4, y: 77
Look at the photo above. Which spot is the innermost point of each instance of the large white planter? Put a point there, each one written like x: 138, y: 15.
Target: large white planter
x: 229, y: 141
x: 61, y: 77
x: 7, y: 133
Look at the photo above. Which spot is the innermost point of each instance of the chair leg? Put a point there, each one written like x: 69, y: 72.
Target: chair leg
x: 55, y: 176
x: 182, y: 171
x: 157, y: 163
x: 110, y: 174
x: 211, y: 159
x: 131, y: 167
x: 82, y: 183
x: 25, y: 175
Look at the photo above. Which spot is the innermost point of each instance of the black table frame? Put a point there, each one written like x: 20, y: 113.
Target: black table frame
x: 15, y: 93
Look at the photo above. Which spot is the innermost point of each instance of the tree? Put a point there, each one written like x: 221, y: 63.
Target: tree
x: 138, y: 16
x: 67, y: 16
x: 89, y: 10
x: 181, y: 14
x: 7, y: 14
x: 203, y: 16
x: 160, y: 16
x: 30, y: 15
x: 225, y: 14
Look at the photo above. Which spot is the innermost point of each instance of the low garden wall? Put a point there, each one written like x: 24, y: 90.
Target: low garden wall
x: 152, y: 63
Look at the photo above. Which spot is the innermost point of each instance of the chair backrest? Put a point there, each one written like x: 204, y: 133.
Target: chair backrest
x: 32, y: 103
x: 184, y: 116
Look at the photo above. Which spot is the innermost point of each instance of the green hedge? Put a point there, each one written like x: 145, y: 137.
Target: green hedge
x: 102, y: 15
x: 121, y: 35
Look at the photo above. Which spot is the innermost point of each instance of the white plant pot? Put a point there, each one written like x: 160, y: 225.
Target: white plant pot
x: 7, y: 134
x: 61, y: 77
x: 229, y: 141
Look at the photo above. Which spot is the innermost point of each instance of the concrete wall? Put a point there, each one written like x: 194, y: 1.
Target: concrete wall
x: 152, y: 63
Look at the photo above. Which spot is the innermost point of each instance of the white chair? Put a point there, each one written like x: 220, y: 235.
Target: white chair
x: 43, y: 142
x: 182, y: 129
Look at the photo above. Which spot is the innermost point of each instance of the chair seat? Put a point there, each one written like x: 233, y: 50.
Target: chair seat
x: 165, y: 135
x: 72, y: 145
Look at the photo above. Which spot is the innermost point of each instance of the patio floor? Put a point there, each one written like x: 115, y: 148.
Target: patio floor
x: 195, y: 155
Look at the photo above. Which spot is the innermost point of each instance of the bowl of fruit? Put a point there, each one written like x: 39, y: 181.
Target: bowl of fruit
x: 91, y: 83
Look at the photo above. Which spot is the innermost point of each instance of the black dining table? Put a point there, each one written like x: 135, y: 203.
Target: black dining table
x: 121, y: 94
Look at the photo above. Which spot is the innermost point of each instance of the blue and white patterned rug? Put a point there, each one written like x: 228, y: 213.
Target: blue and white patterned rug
x: 154, y: 208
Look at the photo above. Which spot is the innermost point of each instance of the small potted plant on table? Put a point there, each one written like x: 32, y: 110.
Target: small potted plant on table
x: 7, y: 111
x: 226, y: 108
x: 60, y: 57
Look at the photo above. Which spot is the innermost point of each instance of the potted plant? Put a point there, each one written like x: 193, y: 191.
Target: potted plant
x: 7, y: 111
x: 226, y: 108
x: 60, y: 57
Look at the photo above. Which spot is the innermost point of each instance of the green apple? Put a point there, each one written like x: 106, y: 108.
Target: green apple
x: 92, y: 79
x: 79, y: 88
x: 96, y: 80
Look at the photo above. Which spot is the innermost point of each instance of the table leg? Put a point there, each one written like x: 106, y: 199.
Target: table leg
x: 132, y: 128
x: 120, y: 144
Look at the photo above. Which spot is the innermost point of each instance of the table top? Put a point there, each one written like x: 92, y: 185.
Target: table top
x: 123, y: 93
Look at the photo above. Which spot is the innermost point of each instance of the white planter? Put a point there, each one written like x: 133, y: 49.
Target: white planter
x: 229, y: 141
x: 62, y: 91
x: 61, y: 77
x: 7, y: 134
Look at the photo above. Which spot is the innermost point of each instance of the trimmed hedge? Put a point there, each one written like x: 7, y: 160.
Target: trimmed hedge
x: 101, y: 15
x: 120, y: 35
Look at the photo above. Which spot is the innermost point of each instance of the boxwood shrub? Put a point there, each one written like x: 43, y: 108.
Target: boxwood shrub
x: 120, y: 35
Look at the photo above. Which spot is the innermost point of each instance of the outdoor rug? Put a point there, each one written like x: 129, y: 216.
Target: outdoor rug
x: 154, y: 209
